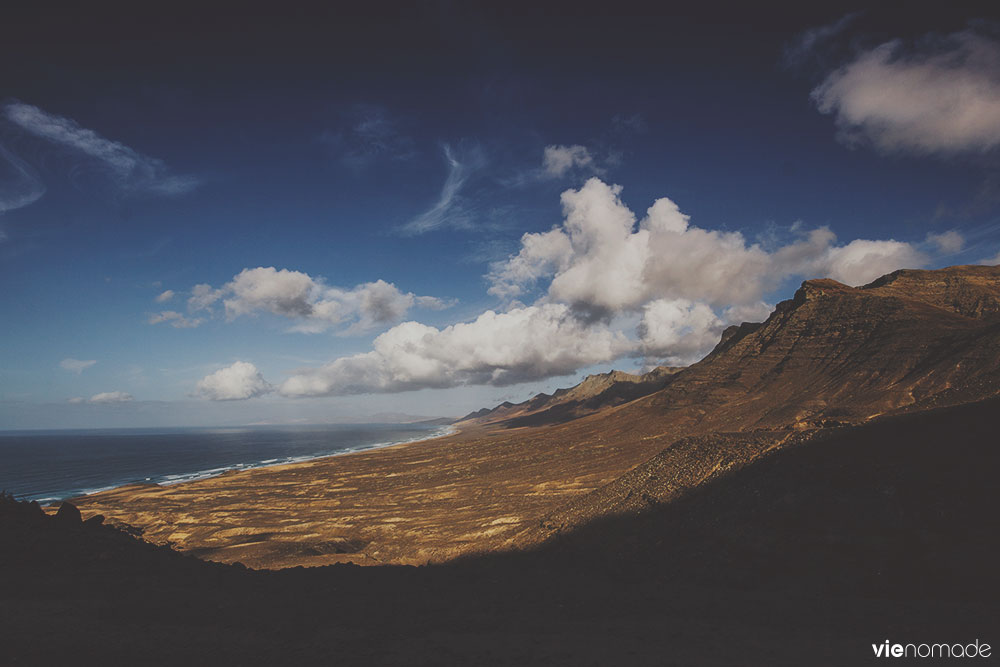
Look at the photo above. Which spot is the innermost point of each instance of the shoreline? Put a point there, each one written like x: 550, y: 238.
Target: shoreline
x: 211, y: 473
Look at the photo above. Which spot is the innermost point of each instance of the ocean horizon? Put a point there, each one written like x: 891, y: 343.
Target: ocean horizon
x: 54, y: 465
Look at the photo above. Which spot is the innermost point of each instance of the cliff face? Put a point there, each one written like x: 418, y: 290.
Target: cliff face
x: 832, y: 356
x: 838, y: 354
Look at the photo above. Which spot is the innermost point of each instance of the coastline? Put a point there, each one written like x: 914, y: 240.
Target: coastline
x: 199, y: 474
x: 440, y: 433
x: 430, y: 500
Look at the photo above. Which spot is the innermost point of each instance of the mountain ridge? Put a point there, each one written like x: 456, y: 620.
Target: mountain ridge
x: 594, y: 393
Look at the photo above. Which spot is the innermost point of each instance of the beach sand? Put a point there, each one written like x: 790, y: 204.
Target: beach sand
x: 413, y: 503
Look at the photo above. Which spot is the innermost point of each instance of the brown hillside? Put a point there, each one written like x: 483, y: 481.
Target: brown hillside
x: 830, y: 356
x: 594, y: 393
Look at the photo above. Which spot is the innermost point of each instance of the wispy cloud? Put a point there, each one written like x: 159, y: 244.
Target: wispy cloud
x: 811, y: 42
x: 557, y: 161
x: 132, y: 171
x: 18, y: 184
x: 576, y: 160
x: 104, y: 398
x: 175, y: 319
x: 371, y: 134
x: 947, y: 243
x: 76, y: 365
x: 450, y: 210
x: 165, y: 296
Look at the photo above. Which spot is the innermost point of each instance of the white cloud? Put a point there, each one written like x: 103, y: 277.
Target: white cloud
x: 239, y: 381
x: 284, y: 292
x: 110, y: 397
x: 76, y: 365
x: 856, y: 263
x: 202, y: 297
x: 314, y: 305
x: 176, y: 320
x: 450, y: 209
x: 600, y: 262
x: 747, y: 312
x: 541, y: 255
x: 132, y: 170
x: 944, y: 99
x: 600, y: 270
x: 949, y: 242
x: 165, y: 296
x: 496, y: 348
x: 678, y: 330
x: 990, y: 261
x: 684, y: 281
x: 558, y: 160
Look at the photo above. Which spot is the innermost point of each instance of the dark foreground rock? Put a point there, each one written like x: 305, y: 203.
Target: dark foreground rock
x: 804, y: 557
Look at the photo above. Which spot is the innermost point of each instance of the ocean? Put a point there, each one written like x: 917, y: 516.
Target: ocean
x: 48, y: 466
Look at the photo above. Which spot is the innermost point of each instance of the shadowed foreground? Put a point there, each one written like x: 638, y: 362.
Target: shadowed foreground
x: 806, y: 556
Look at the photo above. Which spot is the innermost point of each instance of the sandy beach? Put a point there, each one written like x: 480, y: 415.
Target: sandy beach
x: 411, y: 503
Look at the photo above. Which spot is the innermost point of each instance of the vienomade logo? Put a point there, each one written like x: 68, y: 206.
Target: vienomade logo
x: 890, y: 650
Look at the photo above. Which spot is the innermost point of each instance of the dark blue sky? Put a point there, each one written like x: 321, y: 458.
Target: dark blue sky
x: 326, y: 174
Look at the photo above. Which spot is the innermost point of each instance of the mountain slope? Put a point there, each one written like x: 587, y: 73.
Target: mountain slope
x: 594, y: 393
x: 838, y: 354
x: 831, y: 356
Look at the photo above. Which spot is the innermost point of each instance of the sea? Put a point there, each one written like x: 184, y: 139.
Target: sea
x: 49, y: 466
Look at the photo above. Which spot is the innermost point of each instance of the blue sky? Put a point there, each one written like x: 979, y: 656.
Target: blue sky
x: 232, y: 218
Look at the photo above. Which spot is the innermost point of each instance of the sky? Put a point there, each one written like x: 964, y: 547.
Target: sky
x: 229, y: 216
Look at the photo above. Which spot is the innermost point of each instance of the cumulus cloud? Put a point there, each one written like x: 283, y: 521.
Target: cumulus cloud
x: 76, y: 365
x: 314, y: 305
x: 521, y: 344
x: 176, y: 320
x: 684, y: 281
x: 239, y: 381
x: 558, y: 160
x: 165, y: 296
x: 943, y: 97
x: 677, y: 330
x: 129, y: 168
x: 856, y: 263
x: 599, y: 271
x: 451, y: 209
x: 104, y: 398
x: 602, y: 261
